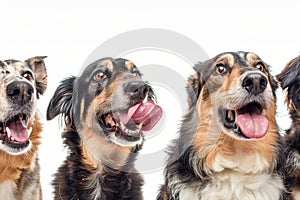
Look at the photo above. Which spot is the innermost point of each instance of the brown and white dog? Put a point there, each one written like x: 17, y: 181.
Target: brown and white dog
x: 21, y: 83
x: 229, y: 146
x: 105, y: 109
x: 289, y: 79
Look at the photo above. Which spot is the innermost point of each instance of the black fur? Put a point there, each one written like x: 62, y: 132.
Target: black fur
x: 289, y: 79
x: 77, y: 179
x: 184, y: 169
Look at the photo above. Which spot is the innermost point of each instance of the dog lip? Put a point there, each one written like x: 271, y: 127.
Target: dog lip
x: 129, y: 132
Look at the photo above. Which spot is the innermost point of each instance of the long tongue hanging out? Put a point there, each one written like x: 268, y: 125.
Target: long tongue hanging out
x: 253, y: 125
x: 146, y: 113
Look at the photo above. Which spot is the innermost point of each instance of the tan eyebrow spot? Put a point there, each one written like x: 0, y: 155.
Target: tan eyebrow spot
x: 228, y: 58
x: 252, y: 58
x: 108, y: 64
x: 129, y: 64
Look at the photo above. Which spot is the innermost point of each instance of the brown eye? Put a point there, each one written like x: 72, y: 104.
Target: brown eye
x: 99, y: 76
x: 260, y: 66
x: 220, y: 68
x: 28, y: 76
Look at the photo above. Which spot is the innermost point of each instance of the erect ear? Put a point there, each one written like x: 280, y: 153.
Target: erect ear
x: 37, y: 65
x: 290, y: 74
x: 61, y: 102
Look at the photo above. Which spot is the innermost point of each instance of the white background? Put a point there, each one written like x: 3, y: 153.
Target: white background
x: 68, y: 31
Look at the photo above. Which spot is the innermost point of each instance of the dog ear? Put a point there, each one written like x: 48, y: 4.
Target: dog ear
x: 290, y: 74
x: 194, y: 86
x: 61, y: 102
x: 37, y: 65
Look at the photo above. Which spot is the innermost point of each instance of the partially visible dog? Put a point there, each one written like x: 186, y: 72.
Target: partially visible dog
x: 21, y: 85
x: 289, y: 79
x: 105, y: 110
x: 229, y: 146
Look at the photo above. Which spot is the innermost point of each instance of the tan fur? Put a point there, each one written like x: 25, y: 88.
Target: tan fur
x: 96, y: 149
x: 10, y: 165
x: 129, y: 65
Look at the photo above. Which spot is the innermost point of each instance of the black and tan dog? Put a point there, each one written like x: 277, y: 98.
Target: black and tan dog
x: 21, y: 85
x: 105, y: 110
x: 289, y: 79
x: 229, y: 146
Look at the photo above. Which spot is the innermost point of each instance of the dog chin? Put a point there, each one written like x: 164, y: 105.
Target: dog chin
x: 124, y: 142
x: 16, y: 150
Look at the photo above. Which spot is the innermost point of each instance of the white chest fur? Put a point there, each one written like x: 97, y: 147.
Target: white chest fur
x: 234, y: 186
x: 7, y: 190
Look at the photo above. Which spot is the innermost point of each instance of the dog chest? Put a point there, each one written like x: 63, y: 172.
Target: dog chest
x: 235, y: 186
x: 7, y: 190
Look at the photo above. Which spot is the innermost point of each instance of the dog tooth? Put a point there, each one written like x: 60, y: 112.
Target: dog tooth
x: 140, y: 125
x: 29, y: 131
x: 146, y: 98
x: 123, y: 126
x: 8, y: 132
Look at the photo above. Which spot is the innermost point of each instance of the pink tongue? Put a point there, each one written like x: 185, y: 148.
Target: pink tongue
x: 147, y: 113
x: 253, y: 125
x: 18, y: 132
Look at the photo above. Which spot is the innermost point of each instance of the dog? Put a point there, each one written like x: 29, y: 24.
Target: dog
x: 21, y: 85
x: 289, y: 79
x: 229, y: 146
x: 105, y: 111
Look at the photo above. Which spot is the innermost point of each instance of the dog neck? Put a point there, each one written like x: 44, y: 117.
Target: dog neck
x: 97, y: 152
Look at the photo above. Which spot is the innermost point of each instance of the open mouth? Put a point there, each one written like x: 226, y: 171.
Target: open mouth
x: 128, y: 124
x: 14, y: 132
x: 248, y: 121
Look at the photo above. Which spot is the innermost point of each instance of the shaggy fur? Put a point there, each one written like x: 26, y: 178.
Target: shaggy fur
x: 21, y: 85
x: 100, y: 161
x: 213, y: 158
x: 289, y: 79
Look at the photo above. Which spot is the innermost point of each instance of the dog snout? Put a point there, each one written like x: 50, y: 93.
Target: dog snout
x: 20, y: 92
x: 136, y: 89
x: 255, y: 83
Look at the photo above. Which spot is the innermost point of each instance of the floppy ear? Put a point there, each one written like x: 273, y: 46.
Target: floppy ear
x: 37, y: 65
x: 290, y: 73
x: 61, y: 102
x: 194, y: 86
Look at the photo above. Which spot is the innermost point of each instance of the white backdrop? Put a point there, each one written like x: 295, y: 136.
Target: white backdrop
x: 68, y: 31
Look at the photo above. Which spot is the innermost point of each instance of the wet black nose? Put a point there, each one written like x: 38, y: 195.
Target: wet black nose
x: 136, y: 89
x: 255, y: 83
x: 19, y: 91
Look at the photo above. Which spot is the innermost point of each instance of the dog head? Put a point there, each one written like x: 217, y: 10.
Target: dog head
x: 110, y: 100
x: 289, y: 79
x: 235, y: 93
x: 21, y: 83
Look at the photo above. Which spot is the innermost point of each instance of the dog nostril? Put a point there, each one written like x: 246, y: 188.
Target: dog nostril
x: 263, y: 82
x: 255, y: 83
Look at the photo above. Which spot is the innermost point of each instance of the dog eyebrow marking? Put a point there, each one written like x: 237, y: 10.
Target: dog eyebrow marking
x: 130, y: 65
x: 108, y: 64
x: 228, y: 58
x: 252, y: 58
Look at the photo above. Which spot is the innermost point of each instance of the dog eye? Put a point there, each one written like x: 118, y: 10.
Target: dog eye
x: 260, y: 66
x: 99, y: 76
x: 220, y: 68
x: 28, y: 76
x: 136, y: 73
